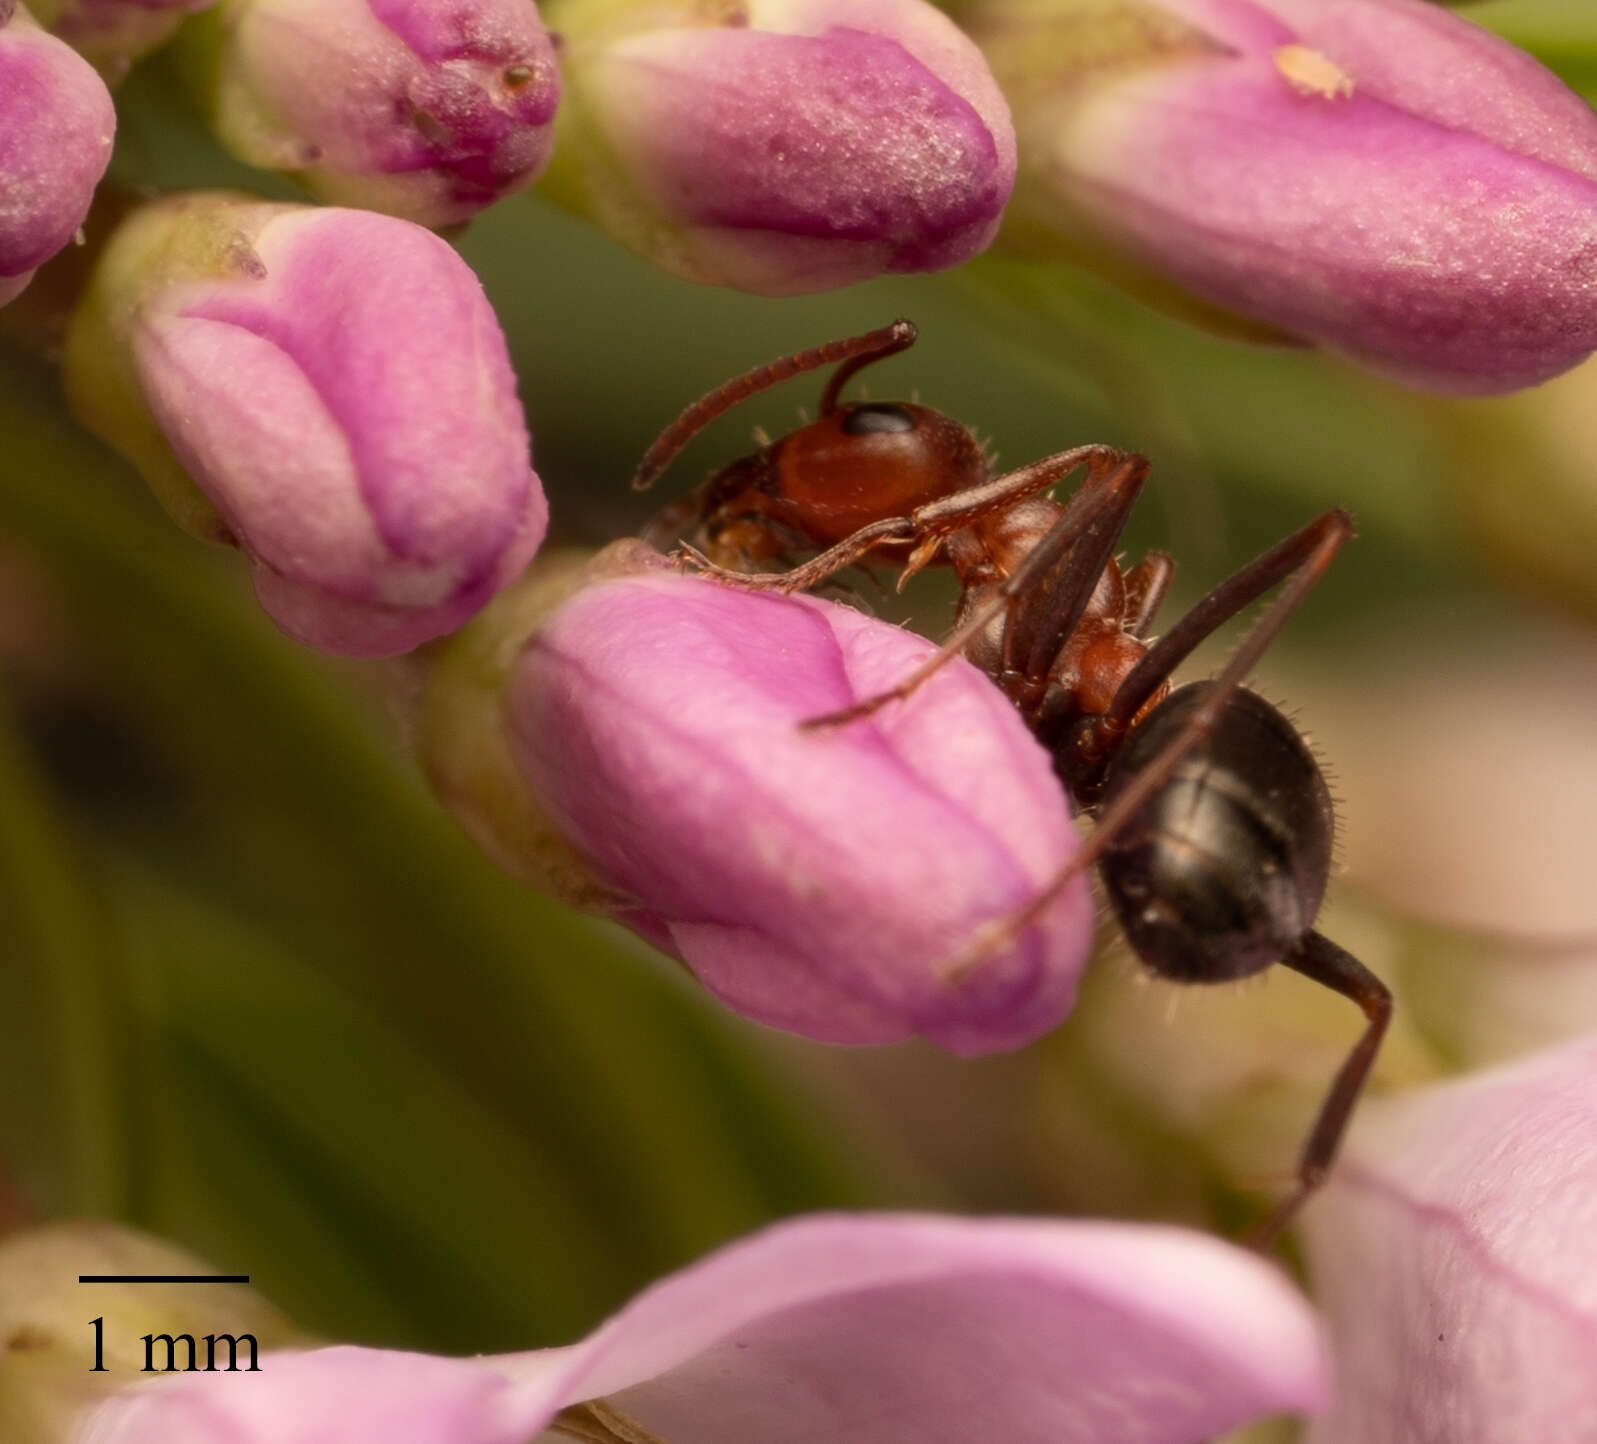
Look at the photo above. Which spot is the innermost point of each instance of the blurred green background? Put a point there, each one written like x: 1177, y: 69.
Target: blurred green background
x: 259, y: 995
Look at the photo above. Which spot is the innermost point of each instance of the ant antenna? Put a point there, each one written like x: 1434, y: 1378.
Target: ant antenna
x: 855, y: 352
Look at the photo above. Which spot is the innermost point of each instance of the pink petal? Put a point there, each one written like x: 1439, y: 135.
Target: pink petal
x: 848, y: 1330
x: 912, y: 1328
x: 1455, y: 1250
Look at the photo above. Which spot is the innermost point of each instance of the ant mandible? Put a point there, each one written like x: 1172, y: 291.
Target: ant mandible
x: 1214, y: 823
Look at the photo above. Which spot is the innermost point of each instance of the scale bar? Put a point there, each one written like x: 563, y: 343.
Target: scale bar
x: 163, y: 1278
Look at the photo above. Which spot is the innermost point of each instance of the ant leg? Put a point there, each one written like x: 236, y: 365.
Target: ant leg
x: 807, y: 574
x: 1078, y: 543
x: 1306, y: 553
x: 1318, y: 958
x: 1049, y: 608
x: 854, y: 352
x: 1303, y: 558
x: 954, y: 513
x: 1146, y: 584
x: 948, y: 514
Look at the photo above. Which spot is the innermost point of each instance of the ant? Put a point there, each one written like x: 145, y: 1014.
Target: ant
x: 1214, y: 823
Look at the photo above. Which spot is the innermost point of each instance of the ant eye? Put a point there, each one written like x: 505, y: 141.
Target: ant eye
x: 869, y: 420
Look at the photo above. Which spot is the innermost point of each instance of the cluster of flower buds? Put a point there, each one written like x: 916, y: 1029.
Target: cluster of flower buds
x: 1431, y: 218
x: 329, y: 392
x: 56, y: 126
x: 1379, y: 176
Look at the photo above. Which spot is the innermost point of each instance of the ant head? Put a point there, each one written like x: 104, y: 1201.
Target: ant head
x: 858, y: 463
x: 865, y: 462
x: 855, y: 465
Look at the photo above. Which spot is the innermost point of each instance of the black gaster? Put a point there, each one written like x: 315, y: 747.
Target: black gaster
x: 1224, y: 868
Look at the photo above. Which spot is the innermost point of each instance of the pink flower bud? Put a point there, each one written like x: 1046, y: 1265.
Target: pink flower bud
x: 329, y: 390
x: 1456, y: 1257
x: 823, y: 880
x: 785, y: 146
x: 425, y: 110
x: 56, y: 125
x: 112, y: 34
x: 1380, y: 176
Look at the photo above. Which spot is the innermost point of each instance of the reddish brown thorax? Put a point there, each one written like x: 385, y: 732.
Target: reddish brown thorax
x: 1097, y: 656
x: 1100, y: 653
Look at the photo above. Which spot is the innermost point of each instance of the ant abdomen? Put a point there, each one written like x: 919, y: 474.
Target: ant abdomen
x: 1222, y: 869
